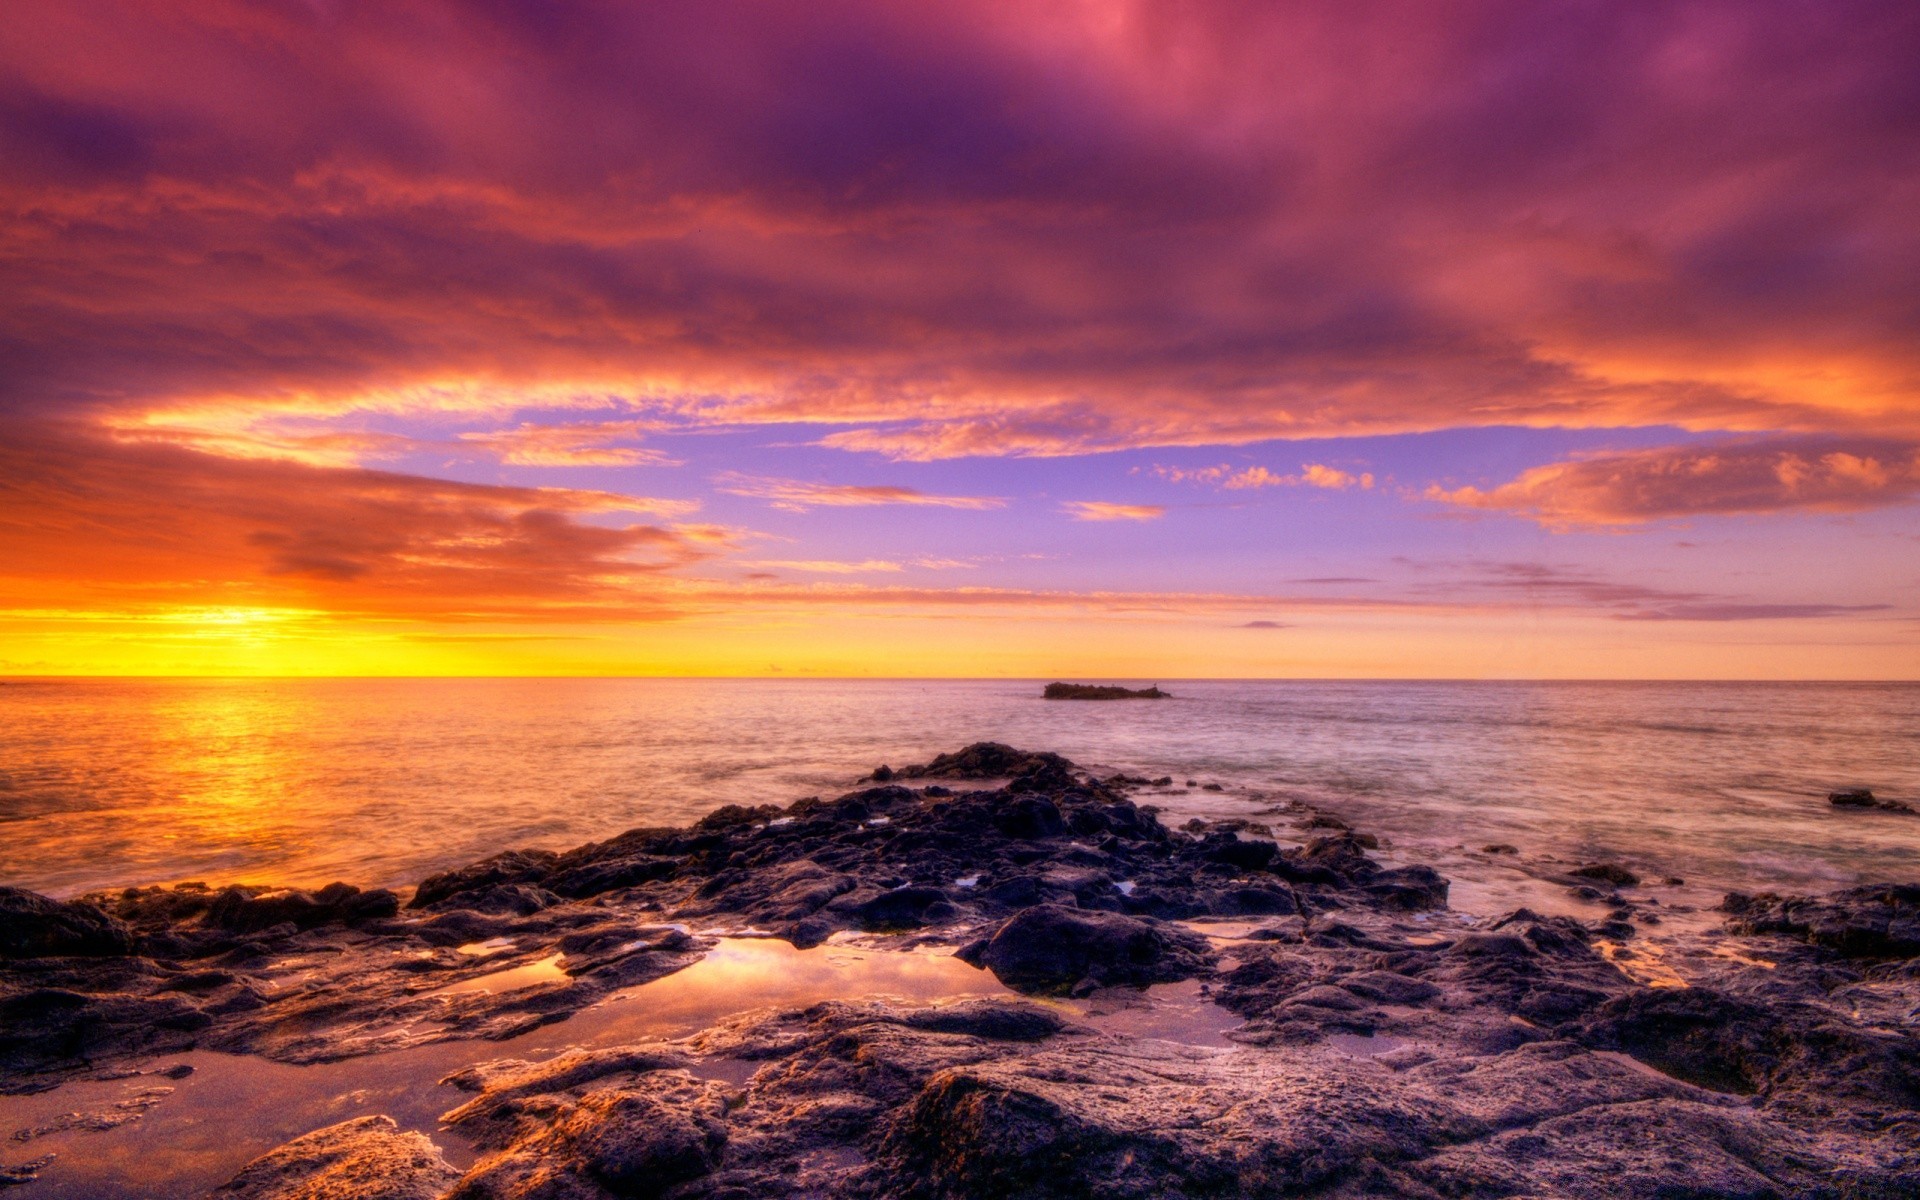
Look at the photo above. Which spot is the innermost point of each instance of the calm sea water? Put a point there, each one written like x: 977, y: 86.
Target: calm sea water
x: 107, y: 783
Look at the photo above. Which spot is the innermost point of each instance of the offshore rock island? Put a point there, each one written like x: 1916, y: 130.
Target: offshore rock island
x: 1099, y: 691
x: 1372, y: 1042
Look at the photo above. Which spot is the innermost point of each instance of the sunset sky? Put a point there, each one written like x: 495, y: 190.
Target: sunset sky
x: 1098, y: 339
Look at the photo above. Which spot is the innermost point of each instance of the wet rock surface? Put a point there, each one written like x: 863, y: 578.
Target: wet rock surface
x: 367, y: 1158
x: 1050, y: 949
x: 1876, y: 922
x: 1385, y: 1046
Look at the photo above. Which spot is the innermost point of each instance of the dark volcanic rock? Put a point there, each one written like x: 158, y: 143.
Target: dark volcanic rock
x: 1050, y: 949
x: 510, y: 867
x: 49, y: 1028
x: 1389, y: 1048
x: 251, y: 910
x: 902, y: 908
x: 367, y: 1158
x: 1876, y: 921
x: 1704, y: 1037
x: 35, y: 926
x: 1095, y: 691
x: 989, y: 760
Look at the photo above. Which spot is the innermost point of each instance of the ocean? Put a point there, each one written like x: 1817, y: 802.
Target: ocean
x: 108, y: 783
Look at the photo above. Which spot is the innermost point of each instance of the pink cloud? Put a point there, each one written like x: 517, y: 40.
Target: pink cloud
x: 1241, y: 479
x: 1775, y: 475
x: 1102, y: 510
x: 967, y: 229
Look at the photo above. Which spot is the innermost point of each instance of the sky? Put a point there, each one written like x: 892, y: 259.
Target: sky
x: 1087, y: 339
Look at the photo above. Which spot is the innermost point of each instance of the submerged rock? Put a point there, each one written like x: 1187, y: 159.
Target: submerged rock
x: 1862, y: 798
x: 1608, y: 873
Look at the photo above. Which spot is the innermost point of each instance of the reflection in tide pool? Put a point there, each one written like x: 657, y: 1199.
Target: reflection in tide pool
x: 232, y: 1109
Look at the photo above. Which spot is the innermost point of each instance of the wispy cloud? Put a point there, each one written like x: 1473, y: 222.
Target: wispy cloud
x: 828, y: 566
x: 1774, y: 475
x: 1234, y: 479
x: 796, y: 495
x: 1103, y: 510
x: 591, y: 444
x: 1552, y: 585
x: 815, y: 566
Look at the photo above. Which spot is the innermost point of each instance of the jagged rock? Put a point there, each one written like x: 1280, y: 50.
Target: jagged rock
x: 1879, y: 921
x: 988, y: 760
x: 367, y: 1158
x: 36, y: 926
x: 509, y: 867
x: 253, y: 910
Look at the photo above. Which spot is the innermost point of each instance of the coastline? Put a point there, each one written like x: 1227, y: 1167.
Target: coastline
x: 1367, y: 1036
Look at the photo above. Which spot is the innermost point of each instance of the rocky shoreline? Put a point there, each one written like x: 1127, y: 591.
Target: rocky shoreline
x: 1385, y: 1046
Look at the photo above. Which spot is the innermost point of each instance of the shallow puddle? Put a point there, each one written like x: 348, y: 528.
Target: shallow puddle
x: 1364, y: 1045
x: 547, y: 970
x: 1169, y: 1012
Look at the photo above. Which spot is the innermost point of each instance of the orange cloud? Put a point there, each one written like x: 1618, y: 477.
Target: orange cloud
x: 88, y: 520
x: 1776, y: 475
x: 1102, y: 510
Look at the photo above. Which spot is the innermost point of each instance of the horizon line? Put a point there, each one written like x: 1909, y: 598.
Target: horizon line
x: 781, y: 677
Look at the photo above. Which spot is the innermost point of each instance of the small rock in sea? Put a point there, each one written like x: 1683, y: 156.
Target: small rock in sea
x: 1095, y: 691
x: 882, y: 773
x: 1499, y: 848
x: 1212, y: 787
x: 1163, y: 781
x: 1193, y: 783
x: 1862, y: 798
x: 176, y: 1071
x: 1612, y: 873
